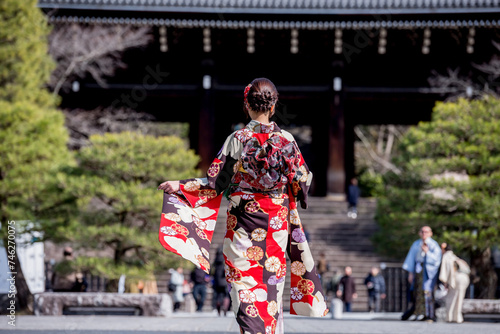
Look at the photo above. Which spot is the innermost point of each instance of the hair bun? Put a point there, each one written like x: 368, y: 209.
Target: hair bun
x: 262, y: 95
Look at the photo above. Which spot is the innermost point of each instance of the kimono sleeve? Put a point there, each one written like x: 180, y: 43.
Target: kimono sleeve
x: 409, y: 263
x: 218, y: 178
x: 188, y: 217
x: 301, y: 180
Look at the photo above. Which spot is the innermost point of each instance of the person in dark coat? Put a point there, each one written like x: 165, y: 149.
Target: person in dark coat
x: 347, y: 289
x: 376, y: 289
x: 198, y: 277
x: 220, y: 300
x: 352, y: 199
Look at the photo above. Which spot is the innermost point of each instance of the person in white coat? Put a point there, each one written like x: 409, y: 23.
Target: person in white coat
x: 454, y: 274
x: 177, y: 278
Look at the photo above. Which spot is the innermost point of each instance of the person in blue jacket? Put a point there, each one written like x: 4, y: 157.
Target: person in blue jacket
x: 422, y: 264
x: 375, y: 284
x: 352, y: 199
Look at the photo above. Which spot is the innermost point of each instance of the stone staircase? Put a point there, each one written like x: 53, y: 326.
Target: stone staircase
x: 344, y: 241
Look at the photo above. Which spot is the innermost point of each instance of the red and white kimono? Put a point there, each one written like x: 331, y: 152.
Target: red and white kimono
x: 263, y: 174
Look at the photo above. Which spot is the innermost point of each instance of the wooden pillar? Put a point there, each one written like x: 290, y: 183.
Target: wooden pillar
x: 206, y: 122
x: 336, y: 176
x: 320, y: 148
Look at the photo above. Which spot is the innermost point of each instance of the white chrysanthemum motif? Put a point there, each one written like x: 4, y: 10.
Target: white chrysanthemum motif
x: 200, y: 223
x: 247, y: 196
x: 281, y: 271
x: 277, y: 201
x: 259, y: 234
x: 272, y: 308
x: 273, y: 264
x: 276, y: 223
x: 192, y: 186
x: 172, y: 217
x: 247, y: 296
x: 298, y: 268
x: 168, y: 230
x: 205, y: 252
x: 243, y: 135
x: 295, y: 294
x: 303, y: 170
x: 294, y: 217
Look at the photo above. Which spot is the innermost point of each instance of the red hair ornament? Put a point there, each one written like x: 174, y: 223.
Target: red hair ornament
x: 245, y: 93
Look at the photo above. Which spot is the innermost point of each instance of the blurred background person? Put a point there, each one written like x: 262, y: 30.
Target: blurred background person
x: 322, y: 267
x: 65, y: 278
x: 352, y: 199
x: 454, y: 274
x: 199, y: 280
x: 347, y: 289
x: 176, y: 286
x: 375, y: 283
x: 422, y: 264
x: 220, y: 299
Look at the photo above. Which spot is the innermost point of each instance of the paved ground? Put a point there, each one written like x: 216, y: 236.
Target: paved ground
x: 209, y: 323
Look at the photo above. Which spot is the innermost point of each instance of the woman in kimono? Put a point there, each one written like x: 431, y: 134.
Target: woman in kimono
x: 261, y: 171
x: 456, y: 280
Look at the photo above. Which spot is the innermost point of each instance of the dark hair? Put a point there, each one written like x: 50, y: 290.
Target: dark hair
x: 262, y: 96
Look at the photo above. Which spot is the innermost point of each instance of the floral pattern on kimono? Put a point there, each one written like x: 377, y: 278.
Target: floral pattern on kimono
x: 263, y: 173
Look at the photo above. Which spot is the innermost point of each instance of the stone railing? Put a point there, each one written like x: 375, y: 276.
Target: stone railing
x: 57, y: 303
x: 481, y: 306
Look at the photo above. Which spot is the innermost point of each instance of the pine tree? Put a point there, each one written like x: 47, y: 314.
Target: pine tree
x: 32, y: 134
x: 25, y: 64
x: 450, y: 180
x: 119, y: 204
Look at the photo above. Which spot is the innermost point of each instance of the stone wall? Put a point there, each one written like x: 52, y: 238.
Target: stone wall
x: 53, y: 303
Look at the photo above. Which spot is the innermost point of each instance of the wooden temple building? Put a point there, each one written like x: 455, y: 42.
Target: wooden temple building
x: 336, y: 64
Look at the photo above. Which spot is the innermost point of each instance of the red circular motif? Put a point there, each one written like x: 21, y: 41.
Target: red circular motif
x: 180, y: 229
x: 305, y: 286
x: 208, y: 193
x: 252, y: 311
x: 233, y: 275
x: 283, y: 213
x: 252, y: 207
x: 255, y: 253
x: 203, y: 262
x: 214, y: 169
x: 201, y: 234
x: 231, y: 221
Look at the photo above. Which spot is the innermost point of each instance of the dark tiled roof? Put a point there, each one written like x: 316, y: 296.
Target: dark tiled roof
x: 284, y: 6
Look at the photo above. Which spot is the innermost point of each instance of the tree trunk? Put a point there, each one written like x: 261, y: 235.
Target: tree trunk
x: 24, y: 298
x: 483, y: 275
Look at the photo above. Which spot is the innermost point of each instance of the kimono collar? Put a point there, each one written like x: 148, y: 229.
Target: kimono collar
x: 259, y: 127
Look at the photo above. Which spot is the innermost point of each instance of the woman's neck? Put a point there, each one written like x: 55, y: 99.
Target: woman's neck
x: 262, y: 118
